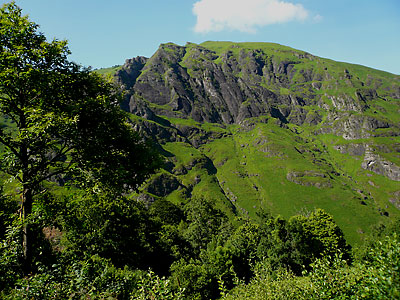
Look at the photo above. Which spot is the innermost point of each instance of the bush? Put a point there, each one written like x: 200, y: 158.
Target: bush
x: 10, y: 257
x: 95, y: 278
x: 151, y: 287
x: 331, y: 277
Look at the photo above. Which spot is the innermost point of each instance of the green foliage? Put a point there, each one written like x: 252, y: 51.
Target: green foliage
x: 377, y: 277
x: 285, y: 244
x: 111, y: 227
x: 281, y: 284
x: 243, y: 244
x: 166, y: 212
x: 68, y: 148
x: 256, y: 158
x: 8, y: 211
x: 151, y: 286
x: 194, y: 278
x: 331, y: 278
x: 199, y: 270
x: 203, y: 278
x: 94, y: 278
x: 68, y: 123
x: 68, y: 119
x: 203, y: 221
x: 328, y: 236
x: 382, y: 279
x: 10, y: 256
x: 269, y: 246
x: 378, y: 233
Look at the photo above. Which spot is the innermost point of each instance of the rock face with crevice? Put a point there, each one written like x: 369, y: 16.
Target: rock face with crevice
x: 375, y: 163
x: 226, y: 87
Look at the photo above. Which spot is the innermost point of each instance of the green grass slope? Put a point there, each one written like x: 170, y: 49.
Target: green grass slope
x: 298, y: 166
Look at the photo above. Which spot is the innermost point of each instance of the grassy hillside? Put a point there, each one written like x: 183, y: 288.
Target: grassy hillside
x: 108, y: 71
x: 306, y: 156
x: 252, y: 170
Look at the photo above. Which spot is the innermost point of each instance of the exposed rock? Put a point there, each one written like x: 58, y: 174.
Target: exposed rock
x: 375, y: 163
x: 239, y: 84
x: 246, y: 86
x: 353, y: 126
x: 316, y: 85
x: 158, y: 132
x: 130, y: 71
x: 162, y: 185
x: 146, y: 199
x: 222, y: 96
x: 197, y: 180
x: 197, y: 136
x: 352, y: 149
x: 310, y: 178
x: 395, y: 200
x: 180, y: 170
x: 202, y: 162
x: 347, y: 103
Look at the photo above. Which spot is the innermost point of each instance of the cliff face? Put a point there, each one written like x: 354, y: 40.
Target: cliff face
x: 259, y: 108
x: 228, y: 83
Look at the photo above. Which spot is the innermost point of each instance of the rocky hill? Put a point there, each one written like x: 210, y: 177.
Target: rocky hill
x: 253, y: 125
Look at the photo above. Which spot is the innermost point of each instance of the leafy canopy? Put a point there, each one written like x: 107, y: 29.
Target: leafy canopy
x: 65, y: 120
x: 60, y: 122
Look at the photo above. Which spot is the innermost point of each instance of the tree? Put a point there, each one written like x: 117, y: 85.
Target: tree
x: 64, y: 121
x: 112, y: 227
x: 204, y: 221
x: 328, y: 237
x: 285, y: 244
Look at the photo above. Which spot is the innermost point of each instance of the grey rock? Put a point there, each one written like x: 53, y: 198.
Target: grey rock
x: 195, y: 82
x: 395, y: 199
x: 353, y: 149
x: 162, y: 185
x: 310, y: 178
x: 375, y: 163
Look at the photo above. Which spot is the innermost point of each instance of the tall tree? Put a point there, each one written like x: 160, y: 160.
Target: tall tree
x: 63, y: 120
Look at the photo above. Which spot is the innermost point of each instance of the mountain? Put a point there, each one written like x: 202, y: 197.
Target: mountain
x: 261, y: 125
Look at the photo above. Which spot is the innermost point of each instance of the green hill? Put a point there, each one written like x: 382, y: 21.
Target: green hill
x: 260, y: 125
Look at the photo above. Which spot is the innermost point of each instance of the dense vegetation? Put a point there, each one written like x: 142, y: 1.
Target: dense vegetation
x: 72, y: 228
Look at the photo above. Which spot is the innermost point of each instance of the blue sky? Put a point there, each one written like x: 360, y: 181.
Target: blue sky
x: 104, y: 33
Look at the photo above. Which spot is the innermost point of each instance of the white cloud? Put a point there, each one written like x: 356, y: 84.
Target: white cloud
x: 244, y: 15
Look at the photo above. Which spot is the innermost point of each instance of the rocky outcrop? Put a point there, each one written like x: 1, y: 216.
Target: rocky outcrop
x: 352, y: 149
x: 130, y: 71
x: 375, y: 163
x: 395, y: 199
x: 180, y: 84
x: 162, y: 185
x: 355, y: 126
x: 310, y: 178
x: 348, y: 103
x: 160, y: 133
x: 195, y: 82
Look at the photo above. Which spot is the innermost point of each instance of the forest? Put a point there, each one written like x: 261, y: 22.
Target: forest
x: 70, y: 228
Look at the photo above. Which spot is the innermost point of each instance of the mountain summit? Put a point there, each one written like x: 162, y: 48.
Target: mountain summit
x: 260, y: 125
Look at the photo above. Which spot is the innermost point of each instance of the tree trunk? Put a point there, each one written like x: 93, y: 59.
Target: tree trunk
x: 27, y: 200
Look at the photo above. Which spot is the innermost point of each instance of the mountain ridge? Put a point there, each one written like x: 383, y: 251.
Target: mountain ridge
x: 280, y: 128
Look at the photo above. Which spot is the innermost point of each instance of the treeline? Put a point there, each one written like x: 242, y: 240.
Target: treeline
x: 100, y: 247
